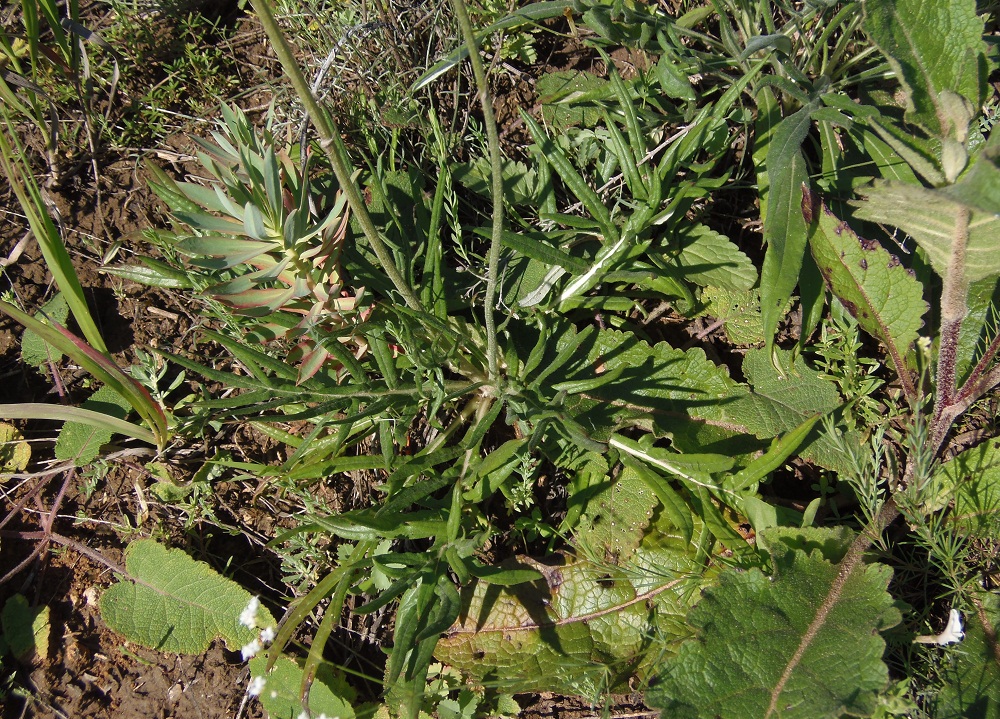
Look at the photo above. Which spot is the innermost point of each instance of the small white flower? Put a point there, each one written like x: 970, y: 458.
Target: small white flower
x: 952, y: 633
x: 302, y: 715
x: 256, y: 686
x: 251, y: 649
x: 267, y: 635
x: 249, y: 616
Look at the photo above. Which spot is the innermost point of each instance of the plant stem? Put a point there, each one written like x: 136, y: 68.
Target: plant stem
x: 493, y: 140
x: 954, y: 308
x: 329, y: 137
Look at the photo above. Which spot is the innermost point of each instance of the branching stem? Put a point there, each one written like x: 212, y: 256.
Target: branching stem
x: 332, y: 145
x: 493, y: 140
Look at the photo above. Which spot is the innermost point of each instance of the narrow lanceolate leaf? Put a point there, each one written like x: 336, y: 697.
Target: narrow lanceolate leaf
x: 785, y: 230
x: 764, y: 644
x: 876, y: 289
x: 937, y: 52
x: 933, y: 219
x: 170, y: 602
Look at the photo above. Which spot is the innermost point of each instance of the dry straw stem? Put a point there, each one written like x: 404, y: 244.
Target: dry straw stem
x: 493, y: 140
x: 330, y: 141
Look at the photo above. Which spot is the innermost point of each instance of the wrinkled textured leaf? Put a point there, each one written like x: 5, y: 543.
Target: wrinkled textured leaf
x: 876, y: 289
x: 172, y: 603
x: 616, y: 519
x: 584, y: 631
x: 329, y: 695
x: 763, y: 644
x: 81, y: 443
x: 585, y: 627
x: 936, y: 50
x: 972, y: 680
x: 567, y: 98
x: 782, y: 400
x: 971, y: 484
x: 658, y: 384
x: 931, y: 218
x: 682, y: 394
x: 707, y: 257
x: 15, y: 452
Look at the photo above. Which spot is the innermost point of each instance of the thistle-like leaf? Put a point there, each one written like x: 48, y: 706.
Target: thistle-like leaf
x: 876, y: 289
x: 763, y: 643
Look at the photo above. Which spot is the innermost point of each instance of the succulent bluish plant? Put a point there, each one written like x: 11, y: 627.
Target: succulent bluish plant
x: 265, y: 244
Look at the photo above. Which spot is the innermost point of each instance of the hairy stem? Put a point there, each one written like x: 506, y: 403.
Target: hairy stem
x: 493, y: 140
x: 329, y: 137
x: 954, y: 308
x: 851, y: 561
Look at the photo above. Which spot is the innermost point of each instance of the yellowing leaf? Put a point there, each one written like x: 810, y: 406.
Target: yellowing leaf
x: 14, y: 450
x: 584, y: 629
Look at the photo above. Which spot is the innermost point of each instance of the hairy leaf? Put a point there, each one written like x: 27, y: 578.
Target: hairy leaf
x: 15, y: 452
x: 35, y: 351
x: 876, y: 289
x: 763, y: 644
x: 707, y: 257
x: 26, y: 629
x: 936, y: 50
x: 739, y: 313
x: 781, y: 400
x: 658, y: 384
x: 979, y: 325
x: 972, y: 680
x: 169, y: 602
x: 613, y: 525
x: 931, y: 217
x: 567, y: 98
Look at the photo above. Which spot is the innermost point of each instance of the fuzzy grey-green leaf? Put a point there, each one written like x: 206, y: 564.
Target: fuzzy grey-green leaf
x: 173, y: 603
